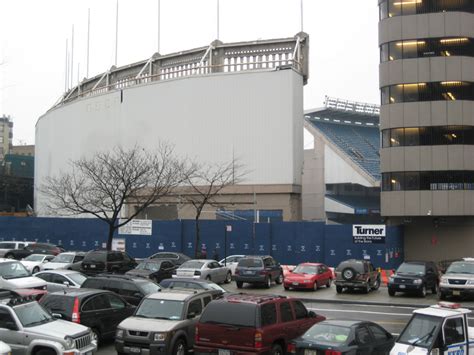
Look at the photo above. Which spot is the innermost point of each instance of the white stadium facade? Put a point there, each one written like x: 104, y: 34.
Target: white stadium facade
x: 236, y: 100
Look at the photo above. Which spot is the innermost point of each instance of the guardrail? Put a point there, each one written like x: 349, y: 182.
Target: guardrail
x: 218, y: 57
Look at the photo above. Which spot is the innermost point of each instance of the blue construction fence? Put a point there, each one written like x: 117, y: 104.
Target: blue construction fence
x: 288, y: 242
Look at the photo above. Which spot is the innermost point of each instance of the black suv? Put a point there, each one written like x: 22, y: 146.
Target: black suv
x: 102, y: 311
x: 154, y: 269
x: 175, y: 258
x: 34, y: 248
x: 357, y: 274
x: 416, y: 277
x: 132, y: 289
x: 99, y: 261
x: 258, y: 269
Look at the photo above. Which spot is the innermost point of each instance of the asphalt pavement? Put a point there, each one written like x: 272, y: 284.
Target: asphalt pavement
x: 392, y: 313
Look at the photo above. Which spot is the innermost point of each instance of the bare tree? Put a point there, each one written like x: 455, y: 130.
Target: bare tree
x: 103, y: 184
x: 206, y: 185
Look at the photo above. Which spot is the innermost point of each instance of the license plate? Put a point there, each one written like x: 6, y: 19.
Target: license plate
x: 402, y: 286
x: 456, y: 293
x: 248, y: 272
x: 92, y: 266
x: 223, y: 352
x: 295, y: 283
x: 135, y: 350
x: 310, y: 352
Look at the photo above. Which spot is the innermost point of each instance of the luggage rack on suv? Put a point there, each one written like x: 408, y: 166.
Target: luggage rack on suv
x: 14, y: 298
x: 252, y: 298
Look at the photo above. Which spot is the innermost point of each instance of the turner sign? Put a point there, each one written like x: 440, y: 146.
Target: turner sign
x: 368, y: 233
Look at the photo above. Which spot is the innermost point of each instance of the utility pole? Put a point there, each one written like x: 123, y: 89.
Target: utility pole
x: 218, y: 19
x: 72, y: 58
x: 159, y: 26
x: 116, y: 32
x: 88, y: 40
x: 301, y: 15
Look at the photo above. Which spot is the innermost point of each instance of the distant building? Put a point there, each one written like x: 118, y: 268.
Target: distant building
x: 341, y: 175
x: 28, y: 150
x: 6, y: 135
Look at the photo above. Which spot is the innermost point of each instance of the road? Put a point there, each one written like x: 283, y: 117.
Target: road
x: 328, y: 303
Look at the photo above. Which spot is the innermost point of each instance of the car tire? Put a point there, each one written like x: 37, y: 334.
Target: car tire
x: 423, y: 291
x: 286, y: 288
x: 9, y: 256
x: 228, y: 278
x: 96, y: 334
x: 239, y: 284
x: 367, y: 288
x: 391, y: 292
x: 339, y: 289
x: 442, y: 296
x: 348, y: 274
x: 279, y: 279
x: 45, y: 352
x: 434, y: 289
x: 268, y: 282
x: 180, y: 348
x: 276, y: 350
x: 35, y: 270
x: 328, y: 285
x: 315, y: 286
x: 377, y: 284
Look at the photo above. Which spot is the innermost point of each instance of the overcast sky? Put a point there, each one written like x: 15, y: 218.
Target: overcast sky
x: 343, y: 42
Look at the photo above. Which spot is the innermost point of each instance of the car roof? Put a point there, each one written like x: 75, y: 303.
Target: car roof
x: 257, y: 256
x: 252, y: 298
x: 311, y: 264
x: 186, y: 279
x: 72, y: 253
x: 119, y: 277
x: 79, y: 292
x: 417, y: 262
x: 175, y: 294
x: 344, y: 322
x: 3, y: 260
x: 59, y: 272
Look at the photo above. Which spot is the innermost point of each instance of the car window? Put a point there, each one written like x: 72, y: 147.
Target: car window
x: 363, y: 335
x: 96, y: 303
x: 206, y: 300
x: 195, y: 307
x: 111, y: 285
x: 215, y: 265
x: 58, y: 279
x: 129, y: 289
x: 78, y: 258
x: 50, y: 257
x: 8, y: 246
x: 115, y: 302
x: 94, y: 283
x: 285, y: 312
x: 378, y: 333
x: 95, y: 256
x: 6, y: 318
x: 20, y: 246
x: 46, y: 277
x: 268, y: 314
x: 267, y: 262
x: 453, y: 331
x: 250, y: 262
x: 300, y: 310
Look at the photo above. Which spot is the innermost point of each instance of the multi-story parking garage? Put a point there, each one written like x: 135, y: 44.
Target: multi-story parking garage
x: 427, y: 124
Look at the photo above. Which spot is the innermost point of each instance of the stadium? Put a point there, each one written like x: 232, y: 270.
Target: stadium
x: 213, y: 104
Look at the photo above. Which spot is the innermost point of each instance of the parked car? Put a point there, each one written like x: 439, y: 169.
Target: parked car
x: 154, y: 269
x: 175, y: 258
x: 164, y: 323
x: 99, y: 261
x: 458, y: 280
x: 258, y: 270
x: 35, y: 262
x: 132, y: 289
x: 357, y: 274
x: 415, y: 277
x: 32, y: 293
x: 242, y: 323
x: 25, y: 324
x: 344, y: 337
x: 34, y: 248
x: 231, y: 262
x: 5, y: 349
x: 65, y: 260
x: 99, y: 310
x: 194, y: 284
x: 308, y: 276
x: 209, y: 270
x: 14, y: 275
x: 5, y: 247
x: 57, y: 280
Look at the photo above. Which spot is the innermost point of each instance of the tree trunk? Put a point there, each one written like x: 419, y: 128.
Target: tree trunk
x: 197, y: 252
x: 111, y: 236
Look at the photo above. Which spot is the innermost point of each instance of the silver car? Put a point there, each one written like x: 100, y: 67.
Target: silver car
x: 26, y: 326
x: 231, y: 262
x: 64, y: 260
x: 58, y: 280
x: 210, y: 270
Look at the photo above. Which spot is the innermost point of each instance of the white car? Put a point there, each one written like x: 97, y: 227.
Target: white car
x: 231, y: 262
x: 209, y: 270
x: 35, y: 262
x: 5, y: 349
x: 12, y: 245
x: 14, y: 275
x: 58, y: 280
x: 64, y: 260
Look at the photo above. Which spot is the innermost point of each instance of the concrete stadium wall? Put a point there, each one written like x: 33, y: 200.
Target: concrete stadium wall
x: 256, y: 117
x: 289, y: 242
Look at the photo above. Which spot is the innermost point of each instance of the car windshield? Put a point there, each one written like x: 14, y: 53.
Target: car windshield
x: 213, y: 286
x: 409, y: 268
x: 421, y: 331
x: 149, y: 287
x: 34, y: 257
x: 460, y: 267
x: 328, y: 334
x: 64, y: 258
x: 77, y: 278
x: 250, y: 262
x: 239, y: 314
x: 192, y: 265
x: 32, y: 314
x: 305, y: 269
x: 160, y: 309
x: 149, y: 266
x: 13, y: 270
x: 95, y: 256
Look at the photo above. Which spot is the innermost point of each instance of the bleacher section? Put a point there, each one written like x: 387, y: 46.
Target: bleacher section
x: 360, y: 142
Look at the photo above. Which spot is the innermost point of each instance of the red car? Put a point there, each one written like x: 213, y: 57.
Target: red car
x: 252, y: 324
x: 309, y: 276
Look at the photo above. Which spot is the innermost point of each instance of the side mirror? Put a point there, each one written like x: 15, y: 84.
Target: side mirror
x: 191, y: 315
x: 435, y: 352
x: 311, y: 314
x: 290, y: 270
x: 66, y: 283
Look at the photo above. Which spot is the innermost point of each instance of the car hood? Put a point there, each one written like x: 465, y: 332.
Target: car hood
x: 148, y: 324
x: 30, y: 264
x: 60, y: 328
x: 55, y: 266
x: 459, y: 276
x: 299, y: 277
x: 409, y: 276
x: 143, y: 273
x: 23, y: 282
